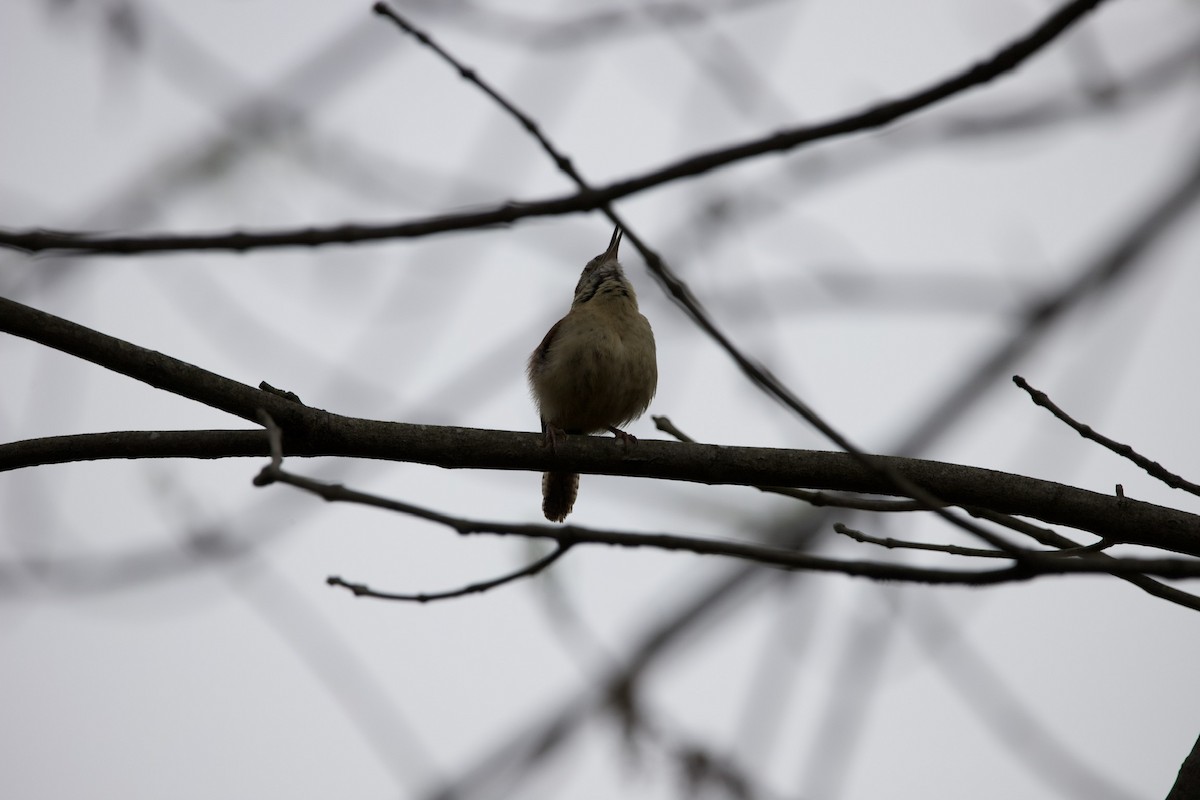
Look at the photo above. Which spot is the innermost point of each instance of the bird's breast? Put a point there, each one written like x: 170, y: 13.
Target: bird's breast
x: 599, y: 370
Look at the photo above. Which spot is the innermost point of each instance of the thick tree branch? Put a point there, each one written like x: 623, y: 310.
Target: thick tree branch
x: 1006, y: 60
x: 152, y: 367
x: 314, y: 432
x: 1118, y: 519
x: 1187, y: 783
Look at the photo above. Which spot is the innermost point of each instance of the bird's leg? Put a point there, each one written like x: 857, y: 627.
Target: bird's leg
x: 623, y: 437
x: 550, y: 436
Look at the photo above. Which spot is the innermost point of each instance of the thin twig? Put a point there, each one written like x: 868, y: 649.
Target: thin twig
x: 1086, y: 549
x: 903, y: 544
x: 362, y: 590
x: 274, y: 473
x: 1067, y: 546
x: 470, y: 75
x: 1153, y: 468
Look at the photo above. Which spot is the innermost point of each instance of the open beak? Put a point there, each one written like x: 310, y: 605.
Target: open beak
x: 614, y: 244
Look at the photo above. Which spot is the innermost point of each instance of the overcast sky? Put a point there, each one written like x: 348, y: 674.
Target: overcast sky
x: 871, y: 273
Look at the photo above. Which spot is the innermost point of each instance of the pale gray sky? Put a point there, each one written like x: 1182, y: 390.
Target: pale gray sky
x: 870, y: 273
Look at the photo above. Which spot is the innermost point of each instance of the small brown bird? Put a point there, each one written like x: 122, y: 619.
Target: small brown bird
x: 594, y: 370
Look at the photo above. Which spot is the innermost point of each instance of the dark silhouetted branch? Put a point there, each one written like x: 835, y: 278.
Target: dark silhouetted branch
x: 312, y: 432
x: 885, y: 113
x: 1153, y: 468
x: 1030, y: 565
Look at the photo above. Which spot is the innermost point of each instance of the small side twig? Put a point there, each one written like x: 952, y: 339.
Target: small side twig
x: 284, y: 393
x: 974, y: 552
x: 904, y: 544
x: 1153, y: 468
x: 1083, y: 550
x: 362, y: 590
x: 274, y: 473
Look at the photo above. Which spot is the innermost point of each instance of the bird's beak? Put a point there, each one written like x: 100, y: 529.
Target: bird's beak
x: 614, y: 244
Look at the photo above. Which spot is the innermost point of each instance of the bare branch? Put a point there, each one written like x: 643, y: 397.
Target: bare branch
x: 819, y: 499
x: 1047, y: 537
x: 680, y: 292
x: 902, y: 544
x: 560, y: 160
x: 362, y: 590
x: 980, y: 491
x: 1029, y: 566
x: 1065, y: 546
x: 885, y: 113
x: 274, y: 472
x: 312, y: 432
x: 683, y: 296
x: 1153, y: 468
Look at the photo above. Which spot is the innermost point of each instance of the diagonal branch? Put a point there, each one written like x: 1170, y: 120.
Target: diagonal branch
x: 1153, y: 468
x: 880, y: 115
x: 682, y: 294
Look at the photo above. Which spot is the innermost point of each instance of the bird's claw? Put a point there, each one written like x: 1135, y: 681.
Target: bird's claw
x: 550, y: 436
x: 623, y: 437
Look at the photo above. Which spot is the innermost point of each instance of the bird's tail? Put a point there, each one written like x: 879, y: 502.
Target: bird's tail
x: 558, y: 494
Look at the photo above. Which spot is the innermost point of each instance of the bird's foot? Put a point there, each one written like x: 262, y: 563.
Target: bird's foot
x: 623, y: 437
x: 550, y: 436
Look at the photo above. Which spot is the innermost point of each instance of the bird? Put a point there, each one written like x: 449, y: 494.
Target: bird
x: 595, y: 370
